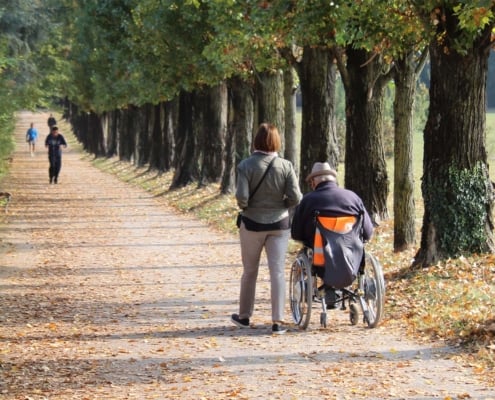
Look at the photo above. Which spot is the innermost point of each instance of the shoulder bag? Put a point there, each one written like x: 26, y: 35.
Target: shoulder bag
x: 239, y: 214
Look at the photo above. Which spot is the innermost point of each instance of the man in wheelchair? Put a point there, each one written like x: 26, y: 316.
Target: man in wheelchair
x: 334, y: 223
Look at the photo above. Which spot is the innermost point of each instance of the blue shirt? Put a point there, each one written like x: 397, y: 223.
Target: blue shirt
x: 31, y: 134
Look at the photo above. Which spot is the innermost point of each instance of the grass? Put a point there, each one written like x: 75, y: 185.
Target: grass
x: 6, y: 143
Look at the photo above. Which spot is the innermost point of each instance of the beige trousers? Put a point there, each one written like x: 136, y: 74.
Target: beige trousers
x: 252, y: 244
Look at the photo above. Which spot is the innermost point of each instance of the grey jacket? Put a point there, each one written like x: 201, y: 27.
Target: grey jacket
x: 278, y: 192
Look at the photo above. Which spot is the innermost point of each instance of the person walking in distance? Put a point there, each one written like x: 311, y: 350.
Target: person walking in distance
x: 51, y: 121
x: 267, y: 186
x: 31, y: 137
x: 54, y: 143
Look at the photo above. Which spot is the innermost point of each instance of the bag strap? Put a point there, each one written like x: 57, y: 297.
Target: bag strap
x: 262, y: 178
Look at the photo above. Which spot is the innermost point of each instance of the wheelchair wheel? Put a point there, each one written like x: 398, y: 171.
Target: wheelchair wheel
x: 374, y: 291
x: 301, y: 291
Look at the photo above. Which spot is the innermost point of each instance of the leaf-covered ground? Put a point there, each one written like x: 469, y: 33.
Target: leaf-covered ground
x: 107, y: 292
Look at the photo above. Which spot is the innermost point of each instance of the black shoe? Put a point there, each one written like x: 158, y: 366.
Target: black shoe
x: 51, y: 180
x: 241, y: 323
x: 332, y: 297
x: 56, y: 180
x: 278, y: 329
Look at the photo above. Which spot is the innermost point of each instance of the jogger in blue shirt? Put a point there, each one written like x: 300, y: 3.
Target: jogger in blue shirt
x: 31, y: 137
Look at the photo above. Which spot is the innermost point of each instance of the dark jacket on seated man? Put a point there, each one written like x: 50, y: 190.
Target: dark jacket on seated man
x: 326, y: 196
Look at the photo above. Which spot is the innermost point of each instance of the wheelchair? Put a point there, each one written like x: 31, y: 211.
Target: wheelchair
x: 365, y: 297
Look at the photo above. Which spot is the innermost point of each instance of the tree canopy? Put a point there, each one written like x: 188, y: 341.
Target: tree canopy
x: 119, y: 57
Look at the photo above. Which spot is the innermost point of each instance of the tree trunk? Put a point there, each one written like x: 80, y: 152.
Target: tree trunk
x: 67, y: 109
x: 143, y: 149
x: 187, y: 168
x: 404, y: 207
x: 270, y: 96
x: 70, y: 110
x: 227, y: 185
x: 291, y: 142
x: 104, y: 117
x: 365, y: 167
x: 242, y: 97
x: 76, y: 121
x: 456, y: 188
x: 156, y: 158
x: 122, y: 117
x: 127, y: 138
x: 240, y: 129
x: 317, y: 74
x: 112, y: 133
x: 170, y: 129
x: 214, y: 128
x: 96, y: 142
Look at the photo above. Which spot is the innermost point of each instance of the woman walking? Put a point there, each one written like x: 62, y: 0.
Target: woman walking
x: 267, y: 187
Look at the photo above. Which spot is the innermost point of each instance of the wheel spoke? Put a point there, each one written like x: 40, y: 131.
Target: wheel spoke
x: 300, y: 295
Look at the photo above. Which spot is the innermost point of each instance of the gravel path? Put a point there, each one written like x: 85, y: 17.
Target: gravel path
x: 108, y: 293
